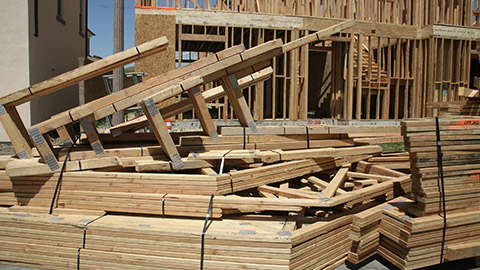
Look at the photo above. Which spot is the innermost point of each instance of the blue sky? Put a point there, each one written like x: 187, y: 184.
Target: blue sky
x: 100, y: 22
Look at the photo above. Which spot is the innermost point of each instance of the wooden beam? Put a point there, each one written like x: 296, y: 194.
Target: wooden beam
x: 336, y: 182
x: 159, y: 128
x: 88, y: 126
x: 202, y: 113
x: 239, y: 104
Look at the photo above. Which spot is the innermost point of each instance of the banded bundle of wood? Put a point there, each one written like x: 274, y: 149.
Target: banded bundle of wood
x: 113, y: 242
x: 459, y: 139
x: 415, y: 242
x: 339, y: 173
x: 41, y: 240
x: 364, y: 230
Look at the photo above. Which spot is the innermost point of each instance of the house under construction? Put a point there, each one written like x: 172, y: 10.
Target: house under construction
x: 404, y: 59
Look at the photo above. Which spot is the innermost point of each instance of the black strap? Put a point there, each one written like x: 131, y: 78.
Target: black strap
x: 205, y: 227
x: 244, y: 139
x: 171, y: 166
x: 279, y: 154
x: 163, y: 203
x: 440, y: 170
x: 85, y: 238
x: 78, y: 259
x: 61, y: 176
x: 308, y: 137
x: 231, y: 182
x: 85, y: 228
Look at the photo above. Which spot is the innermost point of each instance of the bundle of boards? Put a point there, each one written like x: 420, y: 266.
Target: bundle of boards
x: 459, y: 141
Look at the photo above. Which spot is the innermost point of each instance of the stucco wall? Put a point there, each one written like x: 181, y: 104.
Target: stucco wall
x: 14, y: 72
x: 53, y: 52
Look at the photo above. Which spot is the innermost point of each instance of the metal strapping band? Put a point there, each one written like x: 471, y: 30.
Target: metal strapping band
x: 231, y: 182
x: 204, y: 231
x: 163, y: 204
x: 308, y: 137
x: 67, y: 143
x: 171, y: 166
x: 279, y: 154
x: 151, y: 106
x: 244, y: 138
x: 442, y: 193
x: 55, y: 193
x: 223, y: 161
x: 85, y: 228
x: 2, y: 109
x: 78, y: 259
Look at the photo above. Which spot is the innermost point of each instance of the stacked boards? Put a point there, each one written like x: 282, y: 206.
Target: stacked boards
x: 119, y: 241
x: 459, y: 139
x: 364, y: 231
x: 415, y: 242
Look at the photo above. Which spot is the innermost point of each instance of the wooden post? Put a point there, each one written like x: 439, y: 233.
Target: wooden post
x: 88, y: 126
x: 359, y: 75
x: 159, y: 128
x: 16, y: 132
x: 202, y: 112
x: 239, y: 105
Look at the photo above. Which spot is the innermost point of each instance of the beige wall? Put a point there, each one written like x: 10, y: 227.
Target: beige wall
x: 53, y: 52
x: 14, y: 72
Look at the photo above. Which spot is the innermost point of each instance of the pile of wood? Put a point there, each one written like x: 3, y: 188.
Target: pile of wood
x: 364, y: 230
x: 415, y: 242
x: 459, y: 139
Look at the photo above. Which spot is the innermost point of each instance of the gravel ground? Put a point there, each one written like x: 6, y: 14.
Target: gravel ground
x: 6, y: 149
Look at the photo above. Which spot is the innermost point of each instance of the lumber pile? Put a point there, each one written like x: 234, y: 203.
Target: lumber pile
x: 459, y: 139
x: 415, y: 242
x: 364, y: 230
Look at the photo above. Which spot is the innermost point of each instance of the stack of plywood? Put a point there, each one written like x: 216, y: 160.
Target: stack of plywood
x: 460, y: 139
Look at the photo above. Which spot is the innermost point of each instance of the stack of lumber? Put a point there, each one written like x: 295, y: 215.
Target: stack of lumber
x: 460, y: 139
x: 471, y: 106
x: 415, y: 242
x: 397, y: 161
x: 40, y: 240
x: 340, y: 174
x: 364, y: 230
x: 119, y: 241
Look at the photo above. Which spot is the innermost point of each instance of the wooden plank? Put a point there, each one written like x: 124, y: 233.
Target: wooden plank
x: 238, y: 102
x: 15, y: 131
x: 336, y: 182
x: 318, y: 35
x: 202, y: 113
x: 88, y: 126
x: 85, y: 72
x: 159, y: 128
